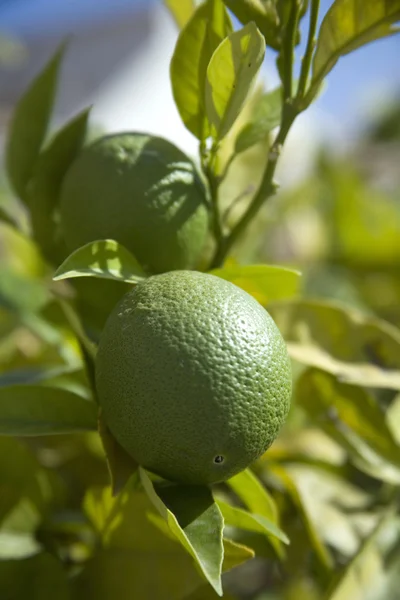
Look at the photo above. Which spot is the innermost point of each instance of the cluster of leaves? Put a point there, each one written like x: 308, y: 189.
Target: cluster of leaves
x: 331, y: 481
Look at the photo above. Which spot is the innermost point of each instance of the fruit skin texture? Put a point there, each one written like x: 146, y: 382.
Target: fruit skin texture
x: 141, y: 191
x: 191, y: 367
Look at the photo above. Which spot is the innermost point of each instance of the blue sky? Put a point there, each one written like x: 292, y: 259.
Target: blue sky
x: 366, y: 76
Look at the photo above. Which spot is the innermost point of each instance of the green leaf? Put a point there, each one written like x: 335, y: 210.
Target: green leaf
x: 120, y: 464
x: 267, y: 116
x: 33, y: 410
x: 202, y: 34
x: 195, y: 520
x: 296, y: 495
x: 265, y: 282
x: 29, y: 125
x: 40, y: 577
x: 264, y: 14
x: 349, y: 24
x: 105, y: 259
x: 16, y: 545
x: 366, y: 353
x: 257, y: 499
x: 44, y: 186
x: 230, y: 74
x: 181, y: 10
x: 237, y: 517
x: 347, y: 407
x: 5, y: 217
x: 373, y: 574
x: 137, y: 542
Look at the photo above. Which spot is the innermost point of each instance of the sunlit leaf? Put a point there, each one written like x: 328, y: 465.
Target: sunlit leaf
x: 137, y: 542
x: 257, y: 499
x: 15, y: 545
x: 196, y: 521
x: 41, y: 576
x: 266, y: 116
x: 373, y: 573
x: 264, y: 14
x: 29, y: 125
x: 237, y: 517
x: 105, y: 259
x: 348, y: 406
x: 202, y: 34
x: 35, y: 410
x: 306, y: 515
x: 181, y: 10
x: 230, y: 74
x: 366, y: 352
x: 265, y: 282
x: 44, y: 186
x: 120, y: 464
x: 349, y: 24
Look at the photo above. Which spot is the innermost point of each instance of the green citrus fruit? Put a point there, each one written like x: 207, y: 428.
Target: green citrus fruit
x: 141, y: 191
x: 193, y: 377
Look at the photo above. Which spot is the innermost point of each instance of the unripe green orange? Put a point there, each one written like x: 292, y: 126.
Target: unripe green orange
x: 193, y: 377
x: 141, y: 191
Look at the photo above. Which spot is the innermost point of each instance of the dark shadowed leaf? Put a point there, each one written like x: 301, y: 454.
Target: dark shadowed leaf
x: 29, y: 125
x: 195, y: 520
x: 230, y: 75
x: 105, y: 259
x: 44, y: 186
x: 120, y: 465
x: 202, y: 34
x: 181, y: 10
x: 349, y: 24
x: 266, y: 116
x: 35, y: 410
x: 265, y: 282
x: 356, y: 348
x: 40, y: 577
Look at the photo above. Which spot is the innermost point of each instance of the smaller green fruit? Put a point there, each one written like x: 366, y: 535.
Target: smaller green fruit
x: 141, y: 191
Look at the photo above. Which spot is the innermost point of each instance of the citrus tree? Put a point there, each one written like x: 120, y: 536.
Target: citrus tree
x: 145, y: 372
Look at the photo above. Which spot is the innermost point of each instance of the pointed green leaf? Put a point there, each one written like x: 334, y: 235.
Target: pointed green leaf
x: 235, y: 554
x: 267, y: 116
x: 264, y: 14
x: 137, y: 542
x: 105, y: 259
x: 181, y: 10
x: 29, y: 125
x: 373, y: 574
x: 34, y: 410
x: 196, y: 521
x: 121, y: 466
x: 202, y: 34
x: 265, y: 282
x: 254, y: 495
x: 230, y: 74
x: 303, y: 507
x: 237, y: 517
x: 257, y: 499
x: 349, y: 407
x: 349, y: 24
x: 366, y: 353
x: 44, y: 186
